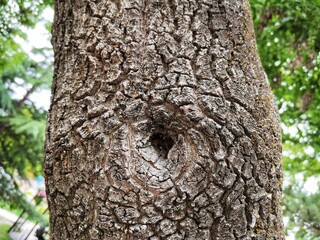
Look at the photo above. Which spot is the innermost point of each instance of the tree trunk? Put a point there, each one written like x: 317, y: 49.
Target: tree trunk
x: 162, y: 123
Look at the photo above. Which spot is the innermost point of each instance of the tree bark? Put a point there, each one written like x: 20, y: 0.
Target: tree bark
x: 162, y: 123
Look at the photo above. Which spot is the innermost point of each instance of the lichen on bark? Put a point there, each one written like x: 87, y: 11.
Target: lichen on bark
x: 162, y: 124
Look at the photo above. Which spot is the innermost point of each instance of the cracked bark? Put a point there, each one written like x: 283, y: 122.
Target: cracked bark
x: 162, y: 123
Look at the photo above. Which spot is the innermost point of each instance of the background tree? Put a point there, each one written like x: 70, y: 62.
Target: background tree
x: 162, y: 124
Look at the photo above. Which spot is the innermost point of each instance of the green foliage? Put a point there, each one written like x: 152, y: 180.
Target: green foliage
x: 4, y: 231
x: 12, y: 199
x: 22, y: 123
x: 303, y: 211
x: 17, y: 13
x: 288, y: 37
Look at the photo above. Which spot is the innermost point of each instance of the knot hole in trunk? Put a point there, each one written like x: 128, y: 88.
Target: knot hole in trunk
x: 162, y: 143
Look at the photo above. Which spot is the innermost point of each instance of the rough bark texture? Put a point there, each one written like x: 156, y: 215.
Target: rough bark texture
x: 162, y: 123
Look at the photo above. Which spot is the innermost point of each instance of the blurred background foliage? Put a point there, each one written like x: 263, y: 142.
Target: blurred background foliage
x: 22, y: 123
x: 288, y: 37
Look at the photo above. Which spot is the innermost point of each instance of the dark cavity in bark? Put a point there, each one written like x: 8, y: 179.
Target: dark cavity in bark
x: 162, y: 143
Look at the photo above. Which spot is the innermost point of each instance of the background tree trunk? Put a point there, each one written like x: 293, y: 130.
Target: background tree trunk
x: 162, y: 123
